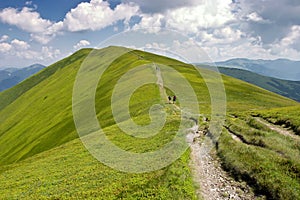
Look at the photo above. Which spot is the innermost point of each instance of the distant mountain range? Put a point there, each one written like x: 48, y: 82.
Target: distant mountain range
x: 10, y: 77
x: 290, y: 89
x: 280, y: 68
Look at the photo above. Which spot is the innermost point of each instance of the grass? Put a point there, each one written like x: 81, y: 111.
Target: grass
x: 40, y: 156
x: 265, y: 159
x: 73, y: 171
x: 70, y: 172
x: 289, y: 117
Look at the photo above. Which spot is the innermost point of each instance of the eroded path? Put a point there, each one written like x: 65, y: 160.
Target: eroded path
x: 214, y: 183
x: 278, y: 129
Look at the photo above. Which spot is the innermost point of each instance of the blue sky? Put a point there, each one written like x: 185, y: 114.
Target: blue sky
x: 48, y: 30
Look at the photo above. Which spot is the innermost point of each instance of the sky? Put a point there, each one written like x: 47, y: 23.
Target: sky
x: 46, y: 31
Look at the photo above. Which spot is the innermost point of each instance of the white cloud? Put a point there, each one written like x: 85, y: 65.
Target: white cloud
x: 289, y: 45
x: 49, y: 53
x: 28, y: 3
x: 254, y: 17
x: 97, y: 15
x: 81, y: 43
x: 44, y: 54
x: 4, y: 38
x: 19, y: 49
x: 151, y: 23
x: 292, y: 37
x: 41, y: 30
x: 159, y: 6
x: 5, y: 47
x: 20, y: 45
x: 26, y: 19
x: 191, y: 19
x: 14, y: 46
x: 221, y: 36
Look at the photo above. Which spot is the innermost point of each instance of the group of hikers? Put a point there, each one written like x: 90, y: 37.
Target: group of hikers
x: 170, y: 99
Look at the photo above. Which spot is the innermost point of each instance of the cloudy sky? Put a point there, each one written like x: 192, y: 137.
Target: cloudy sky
x: 48, y: 30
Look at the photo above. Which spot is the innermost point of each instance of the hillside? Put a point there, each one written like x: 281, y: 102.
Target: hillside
x: 290, y: 89
x: 280, y: 68
x: 41, y: 157
x: 12, y: 76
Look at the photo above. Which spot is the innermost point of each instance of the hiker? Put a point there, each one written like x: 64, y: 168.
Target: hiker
x: 169, y: 99
x: 174, y: 99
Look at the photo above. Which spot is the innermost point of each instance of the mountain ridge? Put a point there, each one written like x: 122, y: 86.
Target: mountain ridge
x: 10, y: 77
x: 51, y: 91
x: 279, y: 68
x: 41, y: 155
x: 290, y: 89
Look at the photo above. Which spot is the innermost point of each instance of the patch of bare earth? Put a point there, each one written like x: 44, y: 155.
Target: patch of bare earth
x: 278, y: 129
x: 214, y: 182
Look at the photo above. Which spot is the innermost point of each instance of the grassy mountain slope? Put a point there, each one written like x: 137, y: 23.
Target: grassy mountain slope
x: 36, y: 116
x: 264, y: 157
x: 43, y: 117
x: 39, y: 115
x: 290, y: 89
x: 70, y: 172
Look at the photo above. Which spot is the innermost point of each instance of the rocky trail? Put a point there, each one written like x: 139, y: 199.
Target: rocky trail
x: 214, y: 183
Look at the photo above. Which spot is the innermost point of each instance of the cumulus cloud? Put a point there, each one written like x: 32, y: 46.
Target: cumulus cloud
x: 289, y: 46
x: 21, y: 49
x: 49, y: 53
x: 292, y: 39
x: 152, y: 23
x: 41, y: 30
x: 5, y: 47
x: 14, y: 46
x: 160, y: 6
x: 93, y: 15
x: 4, y: 38
x: 191, y: 19
x: 256, y: 18
x: 281, y: 16
x: 20, y: 45
x: 96, y: 15
x: 26, y: 19
x: 81, y: 43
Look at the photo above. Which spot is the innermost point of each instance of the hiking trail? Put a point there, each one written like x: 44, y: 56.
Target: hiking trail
x: 278, y: 129
x: 207, y: 172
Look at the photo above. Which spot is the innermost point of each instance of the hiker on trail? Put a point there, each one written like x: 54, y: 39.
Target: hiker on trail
x: 169, y: 99
x: 174, y: 99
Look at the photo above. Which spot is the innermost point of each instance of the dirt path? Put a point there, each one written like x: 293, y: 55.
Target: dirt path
x: 160, y: 83
x: 214, y: 182
x: 278, y: 129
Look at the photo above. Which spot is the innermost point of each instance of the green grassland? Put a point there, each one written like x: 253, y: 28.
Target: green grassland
x: 70, y: 172
x: 288, y: 117
x: 41, y: 157
x: 264, y: 158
